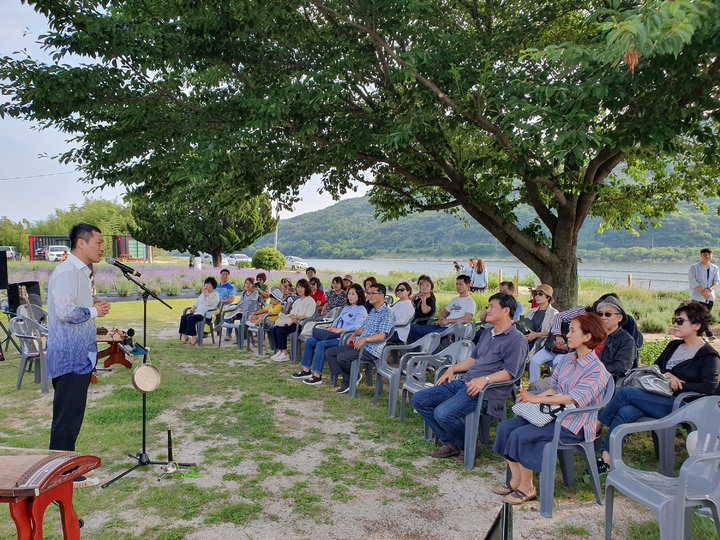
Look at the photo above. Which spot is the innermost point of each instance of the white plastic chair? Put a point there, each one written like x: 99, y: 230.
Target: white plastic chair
x: 672, y: 499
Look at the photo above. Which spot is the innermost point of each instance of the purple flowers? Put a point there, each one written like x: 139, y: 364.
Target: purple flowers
x: 167, y: 277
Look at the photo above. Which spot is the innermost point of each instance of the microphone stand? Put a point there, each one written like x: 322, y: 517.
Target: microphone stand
x: 142, y: 457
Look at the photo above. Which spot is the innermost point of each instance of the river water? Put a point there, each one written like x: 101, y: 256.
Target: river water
x: 665, y: 276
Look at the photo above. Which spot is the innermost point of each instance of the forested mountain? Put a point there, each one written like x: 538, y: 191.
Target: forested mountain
x: 349, y: 230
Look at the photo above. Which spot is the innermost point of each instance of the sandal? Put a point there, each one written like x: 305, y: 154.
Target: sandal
x: 504, y: 489
x: 518, y: 497
x: 192, y: 343
x: 183, y: 341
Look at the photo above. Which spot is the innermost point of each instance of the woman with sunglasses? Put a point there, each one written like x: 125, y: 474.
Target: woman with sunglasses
x: 542, y: 316
x: 691, y: 365
x: 404, y: 312
x: 619, y: 353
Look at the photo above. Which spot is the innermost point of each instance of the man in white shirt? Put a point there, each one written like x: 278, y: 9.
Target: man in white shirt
x: 461, y: 308
x: 703, y: 279
x: 72, y: 347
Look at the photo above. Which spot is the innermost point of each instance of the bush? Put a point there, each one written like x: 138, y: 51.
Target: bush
x: 268, y: 259
x: 244, y: 264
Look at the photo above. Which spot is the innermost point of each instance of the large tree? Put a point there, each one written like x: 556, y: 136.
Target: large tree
x: 572, y: 107
x: 192, y: 218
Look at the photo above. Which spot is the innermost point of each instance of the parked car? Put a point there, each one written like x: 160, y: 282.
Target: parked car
x: 295, y: 263
x: 40, y: 253
x: 207, y: 259
x: 56, y: 253
x: 11, y: 253
x: 236, y: 256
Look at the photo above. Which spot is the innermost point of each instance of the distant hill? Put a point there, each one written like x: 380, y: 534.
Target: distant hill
x: 349, y: 230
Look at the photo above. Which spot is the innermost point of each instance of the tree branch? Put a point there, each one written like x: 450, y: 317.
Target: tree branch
x: 543, y: 212
x: 484, y: 123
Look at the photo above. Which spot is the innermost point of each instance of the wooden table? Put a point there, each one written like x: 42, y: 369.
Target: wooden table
x: 114, y: 354
x: 31, y: 482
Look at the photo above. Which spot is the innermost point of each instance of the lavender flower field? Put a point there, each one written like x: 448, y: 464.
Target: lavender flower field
x: 172, y: 279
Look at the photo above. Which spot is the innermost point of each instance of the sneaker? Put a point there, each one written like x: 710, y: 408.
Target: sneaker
x: 228, y: 338
x: 302, y: 375
x: 283, y: 357
x: 315, y: 380
x: 343, y: 388
x: 276, y: 355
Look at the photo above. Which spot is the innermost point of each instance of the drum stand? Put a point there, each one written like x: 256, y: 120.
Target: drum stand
x: 142, y: 457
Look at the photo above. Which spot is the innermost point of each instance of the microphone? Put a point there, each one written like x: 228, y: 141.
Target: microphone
x: 122, y: 266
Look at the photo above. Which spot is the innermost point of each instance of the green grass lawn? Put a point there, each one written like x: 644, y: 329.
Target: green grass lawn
x: 264, y: 445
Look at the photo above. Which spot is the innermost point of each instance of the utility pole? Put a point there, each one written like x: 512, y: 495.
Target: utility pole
x: 277, y: 224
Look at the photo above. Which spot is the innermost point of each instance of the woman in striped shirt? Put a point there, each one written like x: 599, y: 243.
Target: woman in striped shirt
x: 580, y: 379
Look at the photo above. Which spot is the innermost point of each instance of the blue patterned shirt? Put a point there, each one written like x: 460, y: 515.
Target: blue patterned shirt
x: 377, y: 321
x: 72, y: 346
x: 225, y: 291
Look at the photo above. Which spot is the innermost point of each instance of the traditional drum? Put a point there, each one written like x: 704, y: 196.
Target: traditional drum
x: 146, y: 378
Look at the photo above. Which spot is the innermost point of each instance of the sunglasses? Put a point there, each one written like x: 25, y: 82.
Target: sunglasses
x: 607, y: 314
x: 678, y: 320
x: 400, y: 290
x: 538, y: 293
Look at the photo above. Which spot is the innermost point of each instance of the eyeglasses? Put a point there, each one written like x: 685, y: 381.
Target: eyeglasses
x: 538, y: 293
x: 678, y: 320
x: 606, y: 313
x: 371, y: 292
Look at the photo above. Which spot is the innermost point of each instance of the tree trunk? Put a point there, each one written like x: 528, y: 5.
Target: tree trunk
x: 216, y: 257
x: 563, y: 279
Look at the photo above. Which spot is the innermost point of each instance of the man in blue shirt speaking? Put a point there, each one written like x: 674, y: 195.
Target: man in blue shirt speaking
x: 72, y: 346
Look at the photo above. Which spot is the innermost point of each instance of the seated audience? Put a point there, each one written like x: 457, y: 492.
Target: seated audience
x: 262, y: 287
x: 350, y: 319
x: 288, y: 292
x: 302, y: 308
x: 581, y: 380
x: 267, y: 313
x: 311, y: 273
x: 335, y: 297
x: 207, y: 302
x: 378, y: 324
x: 461, y: 308
x: 367, y: 283
x: 316, y: 293
x: 347, y: 282
x: 506, y: 287
x: 542, y: 316
x: 424, y: 300
x: 690, y: 364
x: 618, y: 354
x: 235, y: 312
x: 404, y: 313
x: 226, y: 290
x: 498, y: 357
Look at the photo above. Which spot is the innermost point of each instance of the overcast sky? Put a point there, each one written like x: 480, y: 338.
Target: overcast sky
x: 32, y: 184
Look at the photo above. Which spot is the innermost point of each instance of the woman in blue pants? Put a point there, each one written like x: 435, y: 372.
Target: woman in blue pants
x: 350, y: 319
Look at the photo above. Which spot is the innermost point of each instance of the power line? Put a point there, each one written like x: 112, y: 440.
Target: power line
x: 35, y: 176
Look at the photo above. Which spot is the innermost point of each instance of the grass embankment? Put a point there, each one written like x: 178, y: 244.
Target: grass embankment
x: 275, y: 457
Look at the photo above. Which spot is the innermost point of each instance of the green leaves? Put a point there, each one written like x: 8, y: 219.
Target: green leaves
x: 435, y: 105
